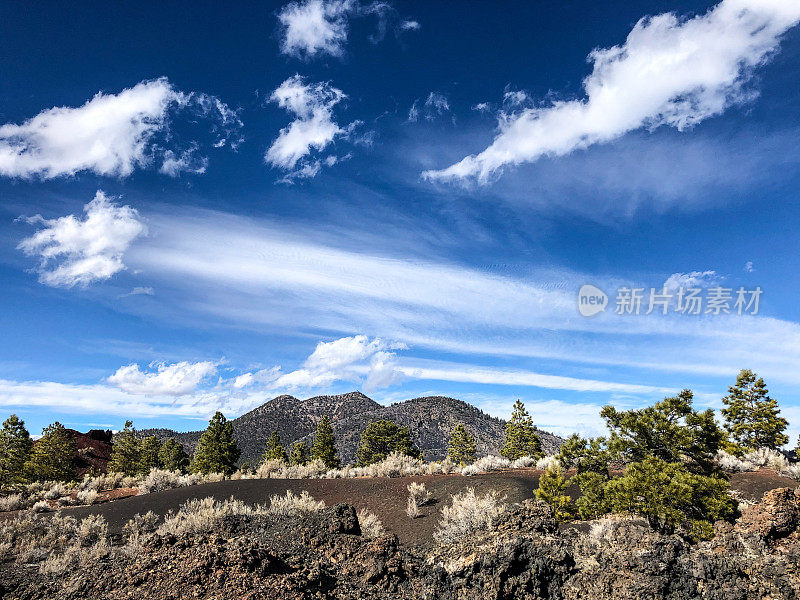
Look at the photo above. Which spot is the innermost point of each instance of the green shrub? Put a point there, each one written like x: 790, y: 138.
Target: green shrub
x: 382, y: 438
x: 552, y: 486
x: 298, y: 454
x: 274, y: 449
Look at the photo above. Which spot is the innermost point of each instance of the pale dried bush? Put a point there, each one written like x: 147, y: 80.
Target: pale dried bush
x: 412, y: 508
x: 371, y: 526
x: 469, y: 512
x: 731, y: 464
x: 767, y: 457
x: 87, y: 496
x: 56, y: 491
x: 109, y: 481
x: 158, y: 480
x: 12, y: 502
x: 419, y: 493
x: 547, y: 463
x: 41, y: 506
x: 292, y: 505
x: 792, y: 471
x: 486, y: 464
x: 202, y: 516
x: 58, y: 543
x: 394, y: 465
x: 523, y: 462
x: 146, y: 523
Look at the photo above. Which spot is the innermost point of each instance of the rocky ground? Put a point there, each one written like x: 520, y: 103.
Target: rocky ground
x: 525, y: 555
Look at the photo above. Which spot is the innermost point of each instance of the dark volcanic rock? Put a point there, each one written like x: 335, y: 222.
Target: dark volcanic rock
x: 523, y: 556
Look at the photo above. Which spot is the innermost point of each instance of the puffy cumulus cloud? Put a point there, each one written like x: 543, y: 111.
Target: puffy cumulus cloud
x: 694, y: 279
x: 177, y: 379
x: 312, y: 28
x: 346, y: 359
x: 312, y: 130
x: 113, y: 134
x: 435, y: 105
x: 315, y: 27
x: 79, y: 251
x: 670, y: 71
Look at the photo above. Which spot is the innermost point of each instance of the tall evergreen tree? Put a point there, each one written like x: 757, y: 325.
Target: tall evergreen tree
x: 521, y: 438
x: 324, y: 446
x: 275, y: 450
x: 52, y: 457
x: 126, y: 452
x: 172, y: 456
x: 298, y: 453
x: 462, y: 446
x: 15, y: 446
x: 552, y: 490
x: 216, y: 451
x: 752, y: 418
x: 149, y: 454
x: 382, y: 438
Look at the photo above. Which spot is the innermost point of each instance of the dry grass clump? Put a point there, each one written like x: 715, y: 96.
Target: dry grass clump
x: 419, y: 493
x: 468, y: 512
x: 371, y: 526
x: 279, y: 469
x: 57, y: 543
x: 12, y: 502
x: 87, y: 496
x: 412, y: 509
x: 756, y: 459
x: 41, y: 506
x: 486, y: 464
x: 291, y: 504
x: 201, y: 516
x: 547, y: 463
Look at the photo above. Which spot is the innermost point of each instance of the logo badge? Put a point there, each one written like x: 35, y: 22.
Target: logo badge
x: 591, y: 300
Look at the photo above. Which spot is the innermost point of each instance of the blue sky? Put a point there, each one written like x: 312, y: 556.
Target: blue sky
x: 202, y: 208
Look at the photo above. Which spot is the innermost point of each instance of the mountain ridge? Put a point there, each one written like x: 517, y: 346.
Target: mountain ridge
x: 431, y: 419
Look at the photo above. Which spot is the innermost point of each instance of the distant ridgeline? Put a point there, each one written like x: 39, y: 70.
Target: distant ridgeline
x: 431, y: 420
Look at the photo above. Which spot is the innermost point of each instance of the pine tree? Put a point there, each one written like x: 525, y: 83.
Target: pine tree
x: 126, y: 452
x: 324, y: 446
x: 15, y: 446
x: 671, y: 430
x: 752, y: 418
x: 382, y: 438
x: 298, y: 454
x: 462, y: 446
x: 216, y: 451
x: 274, y: 450
x: 172, y: 456
x: 52, y: 457
x: 149, y: 455
x: 521, y: 438
x: 552, y: 486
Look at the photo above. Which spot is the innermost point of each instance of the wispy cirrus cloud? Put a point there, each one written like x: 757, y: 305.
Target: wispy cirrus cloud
x: 79, y: 251
x: 114, y: 134
x: 670, y: 71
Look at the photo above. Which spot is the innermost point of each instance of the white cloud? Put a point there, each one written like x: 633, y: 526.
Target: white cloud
x: 140, y: 291
x: 113, y: 134
x: 312, y: 129
x: 669, y: 72
x: 345, y: 359
x: 435, y: 105
x: 77, y: 251
x: 748, y: 267
x: 177, y: 379
x: 315, y: 27
x: 482, y: 107
x: 694, y: 279
x: 410, y: 25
